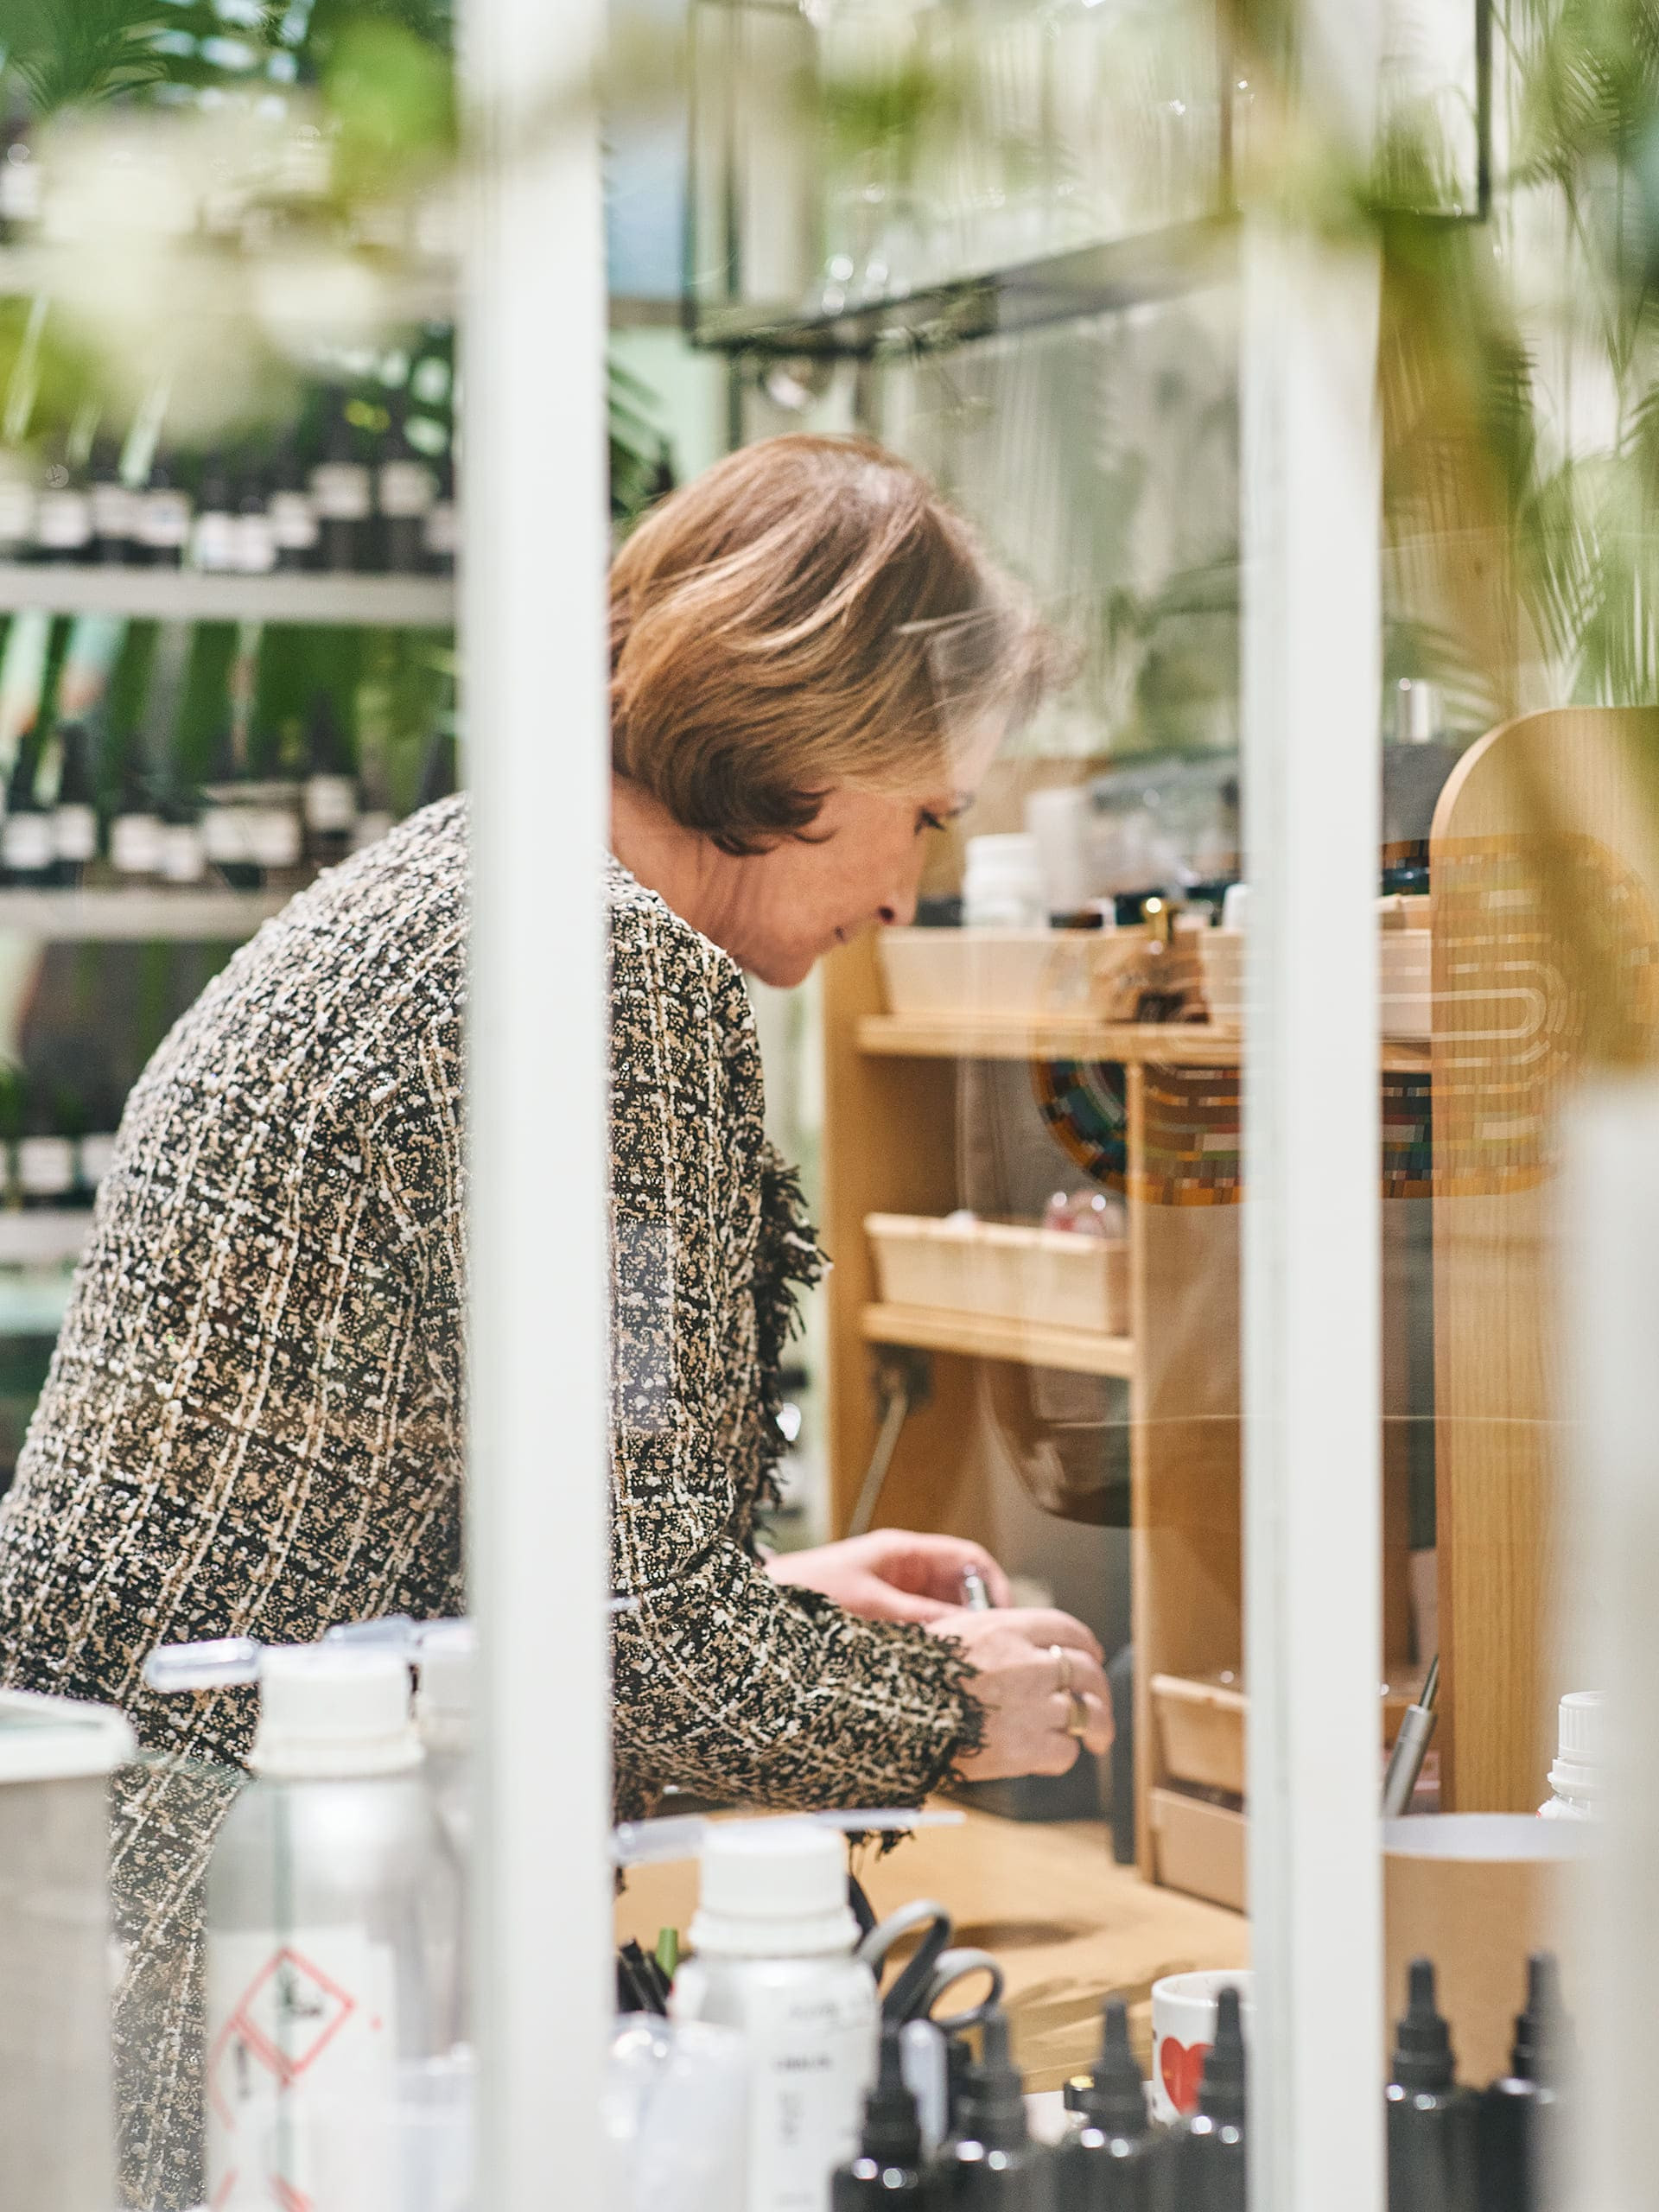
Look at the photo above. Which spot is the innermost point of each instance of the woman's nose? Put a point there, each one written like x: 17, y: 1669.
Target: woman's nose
x: 896, y: 910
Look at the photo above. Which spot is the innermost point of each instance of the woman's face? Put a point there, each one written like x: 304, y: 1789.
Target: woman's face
x: 858, y: 865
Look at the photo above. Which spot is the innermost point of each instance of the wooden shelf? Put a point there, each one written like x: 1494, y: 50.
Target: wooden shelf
x: 148, y: 916
x: 184, y: 595
x: 1082, y: 1037
x: 1079, y: 1351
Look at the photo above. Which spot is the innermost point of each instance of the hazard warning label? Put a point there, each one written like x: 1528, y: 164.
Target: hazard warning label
x: 301, y: 2041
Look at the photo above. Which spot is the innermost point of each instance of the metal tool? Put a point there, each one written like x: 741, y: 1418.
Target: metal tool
x: 1411, y: 1746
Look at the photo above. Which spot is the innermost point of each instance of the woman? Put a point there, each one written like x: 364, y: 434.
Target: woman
x: 253, y: 1421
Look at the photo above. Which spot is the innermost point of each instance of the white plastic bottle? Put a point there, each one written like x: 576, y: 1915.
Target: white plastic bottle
x: 1576, y: 1779
x: 1003, y: 883
x: 773, y: 1940
x: 334, y: 1941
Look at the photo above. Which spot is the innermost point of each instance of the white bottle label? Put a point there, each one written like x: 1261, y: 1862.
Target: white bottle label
x: 406, y: 488
x: 115, y: 511
x: 215, y: 542
x: 164, y: 521
x: 443, y: 532
x: 253, y: 545
x: 74, y: 832
x: 330, y: 804
x: 182, y: 857
x: 370, y: 828
x: 26, y: 841
x: 301, y: 2057
x: 96, y: 1155
x: 293, y: 522
x: 45, y: 1166
x: 225, y: 835
x: 811, y: 2041
x: 341, y: 489
x: 16, y: 512
x: 273, y: 834
x: 64, y: 521
x: 135, y: 844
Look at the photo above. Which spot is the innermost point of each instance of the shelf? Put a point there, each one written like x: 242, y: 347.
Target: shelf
x: 400, y: 292
x: 53, y: 1238
x: 182, y: 595
x: 1082, y: 1037
x: 146, y: 916
x: 1079, y: 1351
x: 1093, y: 280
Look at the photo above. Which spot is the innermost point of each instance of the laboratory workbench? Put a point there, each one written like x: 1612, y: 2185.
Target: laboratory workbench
x: 1069, y: 1925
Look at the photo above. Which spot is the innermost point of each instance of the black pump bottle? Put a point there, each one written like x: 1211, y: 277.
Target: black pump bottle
x: 888, y: 2169
x: 1207, y: 2154
x: 1430, y: 2122
x: 1106, y: 2162
x: 991, y: 2165
x: 1520, y: 2113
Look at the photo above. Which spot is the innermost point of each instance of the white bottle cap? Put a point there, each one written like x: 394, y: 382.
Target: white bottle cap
x: 446, y: 1655
x: 773, y: 1890
x: 330, y: 1710
x: 1581, y: 1749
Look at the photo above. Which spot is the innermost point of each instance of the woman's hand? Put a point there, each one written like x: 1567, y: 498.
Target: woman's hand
x: 894, y: 1574
x: 1027, y: 1691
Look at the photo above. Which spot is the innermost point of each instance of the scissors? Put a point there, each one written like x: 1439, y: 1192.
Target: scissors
x: 935, y: 1968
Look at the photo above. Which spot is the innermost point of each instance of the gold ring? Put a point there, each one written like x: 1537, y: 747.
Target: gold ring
x: 1077, y: 1725
x: 1063, y: 1657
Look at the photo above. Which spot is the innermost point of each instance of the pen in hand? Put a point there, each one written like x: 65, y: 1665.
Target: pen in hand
x: 975, y: 1595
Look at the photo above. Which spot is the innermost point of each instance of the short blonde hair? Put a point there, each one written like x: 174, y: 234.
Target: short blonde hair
x: 777, y: 630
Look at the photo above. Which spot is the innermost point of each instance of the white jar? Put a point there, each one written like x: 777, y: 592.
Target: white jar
x: 1002, y: 884
x: 1578, y: 1778
x: 773, y: 1940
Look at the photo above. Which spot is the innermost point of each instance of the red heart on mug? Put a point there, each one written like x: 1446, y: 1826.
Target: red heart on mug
x: 1180, y: 2066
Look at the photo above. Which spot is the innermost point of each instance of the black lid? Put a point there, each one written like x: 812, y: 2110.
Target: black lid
x: 892, y: 2133
x: 993, y: 2109
x: 75, y: 768
x: 326, y: 753
x: 1422, y: 2047
x: 1115, y: 2100
x: 1543, y: 2032
x: 1222, y: 2094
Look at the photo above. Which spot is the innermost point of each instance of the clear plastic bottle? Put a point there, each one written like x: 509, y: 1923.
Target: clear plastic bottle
x: 774, y: 1937
x: 334, y: 1940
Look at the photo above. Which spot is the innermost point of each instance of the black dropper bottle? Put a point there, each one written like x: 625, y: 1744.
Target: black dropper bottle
x: 1207, y: 2154
x: 991, y: 2161
x: 25, y: 853
x: 74, y: 810
x: 1106, y: 2163
x: 1430, y: 2122
x: 1520, y: 2113
x: 889, y: 2169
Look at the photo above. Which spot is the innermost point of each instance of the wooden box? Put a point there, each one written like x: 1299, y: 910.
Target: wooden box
x: 1199, y: 1847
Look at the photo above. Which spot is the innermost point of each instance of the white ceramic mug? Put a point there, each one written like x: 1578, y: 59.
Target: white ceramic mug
x: 1183, y: 2029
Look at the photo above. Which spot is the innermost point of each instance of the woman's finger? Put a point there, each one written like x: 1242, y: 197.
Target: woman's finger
x: 1044, y: 1625
x: 1097, y: 1733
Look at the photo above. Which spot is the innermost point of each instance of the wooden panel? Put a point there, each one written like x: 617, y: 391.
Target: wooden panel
x: 889, y: 1146
x: 980, y: 1336
x: 1184, y: 1044
x: 1544, y: 924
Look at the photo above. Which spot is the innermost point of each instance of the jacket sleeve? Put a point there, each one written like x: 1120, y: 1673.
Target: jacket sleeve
x: 724, y: 1682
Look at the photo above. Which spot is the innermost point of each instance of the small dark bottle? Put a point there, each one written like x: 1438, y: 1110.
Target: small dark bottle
x: 440, y: 531
x: 113, y: 506
x: 329, y: 798
x: 1521, y: 2112
x: 342, y: 494
x: 1108, y: 2162
x: 405, y: 490
x: 163, y: 529
x: 74, y: 810
x: 991, y: 2165
x: 1208, y: 2159
x: 292, y: 511
x: 63, y: 515
x: 212, y: 536
x: 889, y: 2168
x: 26, y: 854
x: 44, y: 1156
x: 1430, y: 2122
x: 253, y: 542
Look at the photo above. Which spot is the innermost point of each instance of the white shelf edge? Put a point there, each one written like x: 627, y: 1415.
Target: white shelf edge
x: 401, y: 295
x: 115, y: 916
x: 180, y: 594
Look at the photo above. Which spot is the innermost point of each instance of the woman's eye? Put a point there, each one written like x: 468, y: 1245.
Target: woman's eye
x: 928, y: 820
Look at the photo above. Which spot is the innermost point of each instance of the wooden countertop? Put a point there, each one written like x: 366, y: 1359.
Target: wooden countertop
x: 1069, y: 1925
